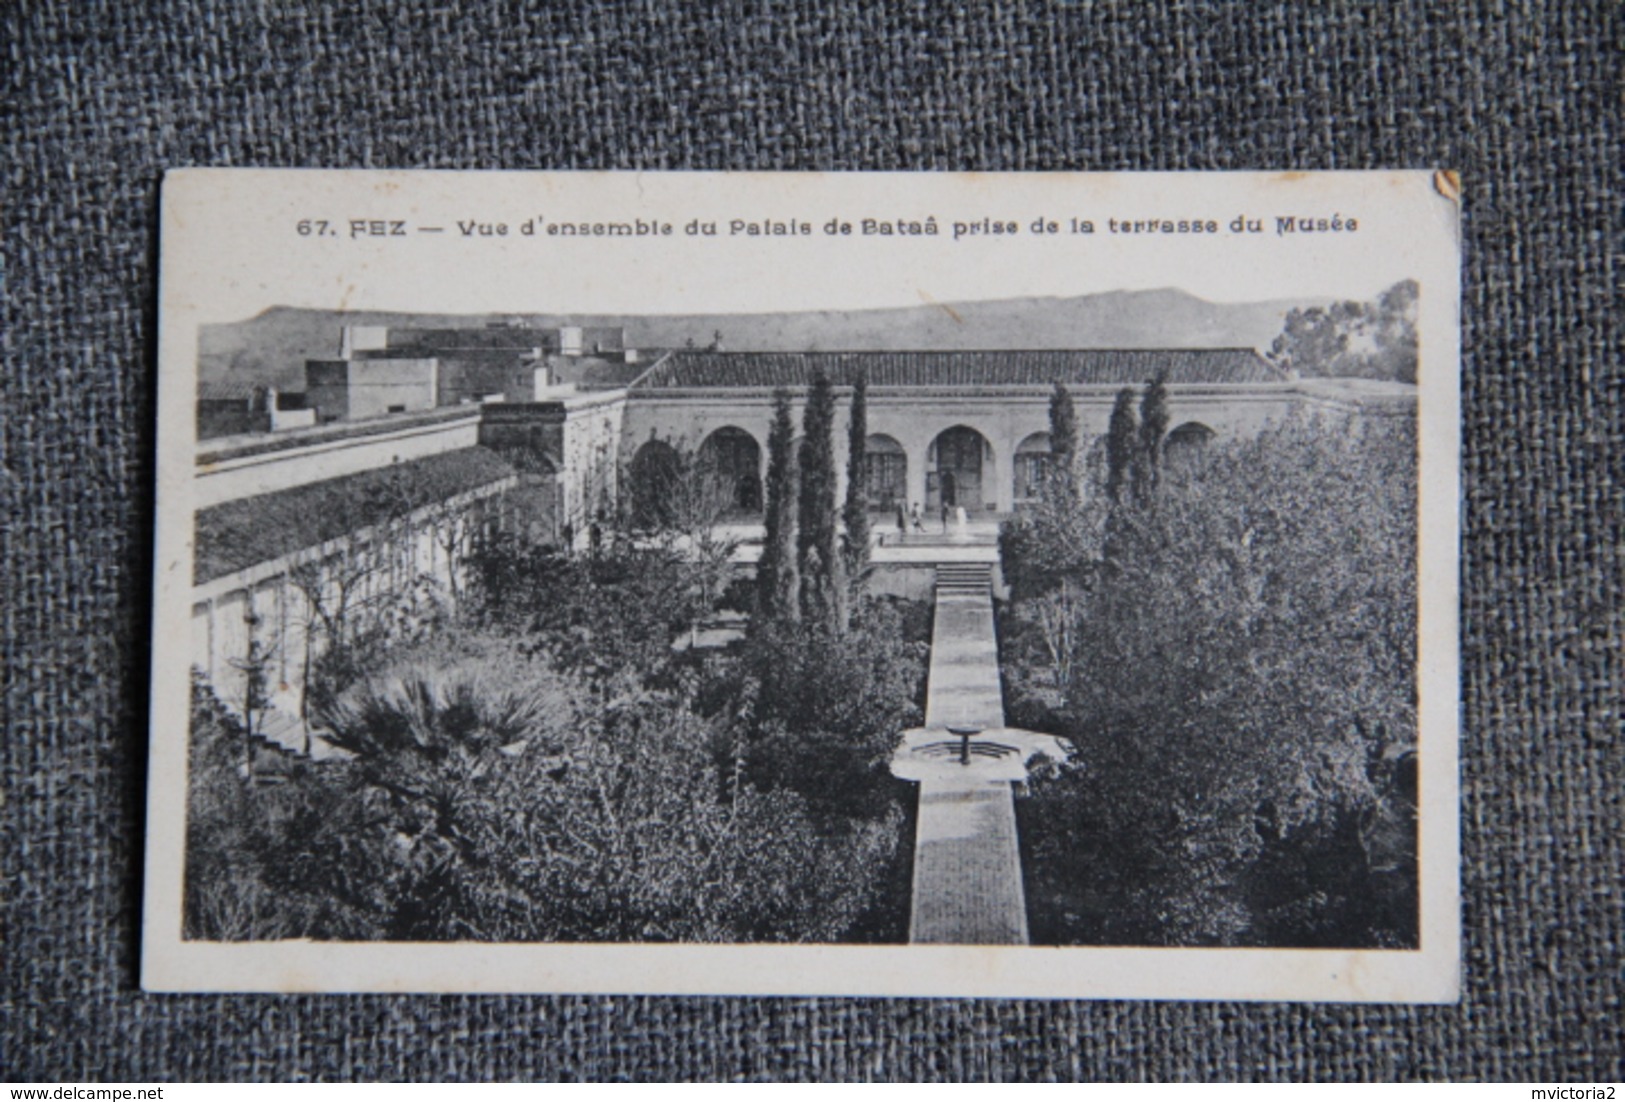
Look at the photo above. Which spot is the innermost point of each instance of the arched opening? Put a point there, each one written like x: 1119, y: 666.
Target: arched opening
x: 1032, y: 466
x: 656, y: 468
x: 732, y: 457
x: 959, y: 468
x: 530, y: 455
x: 1190, y: 434
x: 535, y: 507
x: 887, y: 465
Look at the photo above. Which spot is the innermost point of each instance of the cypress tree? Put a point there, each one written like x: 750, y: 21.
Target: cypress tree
x: 1153, y: 427
x: 1122, y: 441
x: 1063, y: 443
x: 787, y: 584
x: 856, y: 511
x: 820, y: 562
x: 778, y: 579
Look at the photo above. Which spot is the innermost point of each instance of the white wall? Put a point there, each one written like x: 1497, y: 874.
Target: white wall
x: 285, y: 627
x: 325, y: 453
x: 915, y: 416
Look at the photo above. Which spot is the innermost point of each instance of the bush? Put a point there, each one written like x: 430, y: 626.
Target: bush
x: 608, y: 617
x: 819, y: 713
x: 491, y: 797
x: 268, y: 849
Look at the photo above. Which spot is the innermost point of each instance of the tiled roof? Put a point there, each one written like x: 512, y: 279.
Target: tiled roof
x: 1080, y: 367
x: 236, y: 535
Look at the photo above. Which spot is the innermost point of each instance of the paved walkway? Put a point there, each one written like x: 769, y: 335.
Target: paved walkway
x: 967, y: 864
x: 963, y: 689
x: 967, y: 867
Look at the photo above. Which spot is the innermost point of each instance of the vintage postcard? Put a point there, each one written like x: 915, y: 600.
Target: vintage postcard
x: 1035, y: 585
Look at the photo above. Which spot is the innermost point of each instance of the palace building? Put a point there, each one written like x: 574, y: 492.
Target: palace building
x: 414, y: 438
x: 965, y: 428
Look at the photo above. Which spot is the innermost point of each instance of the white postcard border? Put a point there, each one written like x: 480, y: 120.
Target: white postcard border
x: 218, y: 224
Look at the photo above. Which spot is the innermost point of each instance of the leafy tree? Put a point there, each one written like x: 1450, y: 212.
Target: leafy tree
x: 347, y: 630
x: 1039, y: 548
x: 1122, y: 442
x: 1395, y: 335
x: 696, y: 497
x: 1049, y: 557
x: 607, y: 618
x: 855, y: 513
x: 1314, y: 341
x: 1063, y: 421
x: 823, y: 590
x: 819, y: 714
x: 778, y: 573
x: 1375, y: 340
x: 1046, y: 569
x: 1244, y: 705
x: 613, y: 613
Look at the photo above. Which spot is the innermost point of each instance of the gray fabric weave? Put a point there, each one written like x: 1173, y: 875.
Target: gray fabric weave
x: 101, y: 98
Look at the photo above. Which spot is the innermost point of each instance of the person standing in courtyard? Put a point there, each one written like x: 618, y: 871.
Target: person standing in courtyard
x: 919, y: 521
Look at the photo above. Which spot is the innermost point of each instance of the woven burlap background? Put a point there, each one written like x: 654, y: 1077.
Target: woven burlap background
x: 100, y: 98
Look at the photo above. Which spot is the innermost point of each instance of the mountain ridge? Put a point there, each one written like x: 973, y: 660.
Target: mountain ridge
x: 271, y: 347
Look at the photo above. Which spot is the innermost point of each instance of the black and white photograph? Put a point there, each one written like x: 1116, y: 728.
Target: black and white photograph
x: 828, y: 584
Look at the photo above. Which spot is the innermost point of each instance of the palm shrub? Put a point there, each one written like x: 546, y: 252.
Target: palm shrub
x: 488, y: 796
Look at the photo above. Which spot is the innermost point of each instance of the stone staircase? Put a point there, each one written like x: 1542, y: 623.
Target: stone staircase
x: 964, y: 579
x: 281, y: 740
x: 272, y: 757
